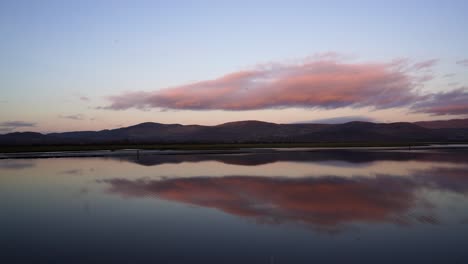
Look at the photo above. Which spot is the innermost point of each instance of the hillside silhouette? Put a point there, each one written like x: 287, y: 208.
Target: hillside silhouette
x: 253, y: 132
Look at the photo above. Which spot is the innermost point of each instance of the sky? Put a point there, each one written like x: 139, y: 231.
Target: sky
x: 91, y: 65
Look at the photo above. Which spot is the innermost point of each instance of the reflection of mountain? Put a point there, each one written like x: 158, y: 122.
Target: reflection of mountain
x: 326, y: 202
x: 246, y: 131
x: 351, y: 156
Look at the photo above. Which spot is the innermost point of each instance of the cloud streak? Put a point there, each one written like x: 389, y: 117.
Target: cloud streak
x: 463, y: 62
x: 77, y: 117
x: 9, y: 126
x: 17, y: 124
x: 425, y: 64
x: 340, y: 120
x: 445, y: 103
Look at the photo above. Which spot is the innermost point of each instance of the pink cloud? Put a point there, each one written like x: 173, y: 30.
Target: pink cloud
x: 447, y: 103
x: 324, y: 83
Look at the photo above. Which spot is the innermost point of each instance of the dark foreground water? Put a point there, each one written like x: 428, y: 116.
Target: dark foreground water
x: 288, y: 207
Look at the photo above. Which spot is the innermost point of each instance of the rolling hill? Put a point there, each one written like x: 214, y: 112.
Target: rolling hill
x: 252, y: 132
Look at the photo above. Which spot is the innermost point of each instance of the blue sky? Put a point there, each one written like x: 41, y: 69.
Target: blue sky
x: 62, y: 59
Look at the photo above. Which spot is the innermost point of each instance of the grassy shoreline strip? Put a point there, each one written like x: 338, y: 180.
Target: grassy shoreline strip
x: 54, y: 148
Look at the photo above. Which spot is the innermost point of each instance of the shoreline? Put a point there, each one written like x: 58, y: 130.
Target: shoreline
x: 239, y: 149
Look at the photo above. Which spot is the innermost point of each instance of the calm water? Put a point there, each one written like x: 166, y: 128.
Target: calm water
x: 291, y: 207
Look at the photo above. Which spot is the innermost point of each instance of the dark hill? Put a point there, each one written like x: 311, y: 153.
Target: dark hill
x: 245, y: 132
x: 453, y: 123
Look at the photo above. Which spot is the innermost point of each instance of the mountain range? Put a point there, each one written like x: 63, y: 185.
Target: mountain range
x: 254, y: 132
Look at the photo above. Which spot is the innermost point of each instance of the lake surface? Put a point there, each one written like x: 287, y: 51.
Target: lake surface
x: 280, y: 207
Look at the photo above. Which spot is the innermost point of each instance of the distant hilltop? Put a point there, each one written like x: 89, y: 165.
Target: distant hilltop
x: 252, y: 131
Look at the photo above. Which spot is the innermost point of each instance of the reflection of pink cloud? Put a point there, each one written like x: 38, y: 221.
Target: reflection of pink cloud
x: 326, y: 202
x: 324, y: 83
x: 445, y: 179
x: 323, y: 203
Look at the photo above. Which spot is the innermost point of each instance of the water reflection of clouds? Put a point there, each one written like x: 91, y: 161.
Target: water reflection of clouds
x: 16, y: 164
x: 444, y: 179
x: 326, y: 202
x: 77, y: 172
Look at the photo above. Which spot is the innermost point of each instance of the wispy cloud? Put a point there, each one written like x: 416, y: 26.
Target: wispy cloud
x: 463, y: 62
x: 324, y: 83
x: 17, y: 124
x: 446, y: 103
x: 425, y: 64
x: 340, y: 120
x: 448, y: 75
x: 5, y: 130
x: 9, y: 126
x: 84, y: 98
x: 73, y: 117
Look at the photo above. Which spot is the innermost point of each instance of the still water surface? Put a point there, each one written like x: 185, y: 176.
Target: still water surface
x: 280, y: 207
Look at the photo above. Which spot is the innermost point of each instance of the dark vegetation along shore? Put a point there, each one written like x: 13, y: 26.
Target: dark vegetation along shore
x: 233, y: 146
x: 243, y: 134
